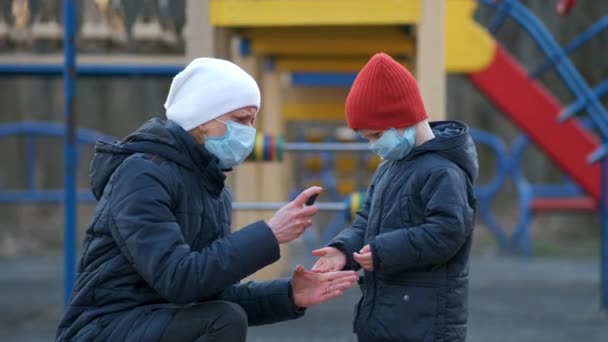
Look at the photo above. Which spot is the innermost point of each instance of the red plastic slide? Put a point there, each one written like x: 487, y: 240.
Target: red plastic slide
x: 535, y: 111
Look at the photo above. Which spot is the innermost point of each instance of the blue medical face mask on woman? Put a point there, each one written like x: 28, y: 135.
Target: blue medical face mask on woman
x: 391, y: 146
x: 233, y: 147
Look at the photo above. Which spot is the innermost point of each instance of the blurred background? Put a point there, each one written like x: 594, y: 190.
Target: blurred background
x: 529, y: 78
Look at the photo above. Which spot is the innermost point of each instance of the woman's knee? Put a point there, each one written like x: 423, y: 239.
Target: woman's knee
x: 232, y: 315
x: 210, y: 321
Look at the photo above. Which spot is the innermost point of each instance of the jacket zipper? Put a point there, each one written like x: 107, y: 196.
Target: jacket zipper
x: 376, y: 232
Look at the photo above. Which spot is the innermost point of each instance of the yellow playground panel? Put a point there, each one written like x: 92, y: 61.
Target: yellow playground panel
x: 287, y: 13
x: 339, y: 36
x: 279, y: 25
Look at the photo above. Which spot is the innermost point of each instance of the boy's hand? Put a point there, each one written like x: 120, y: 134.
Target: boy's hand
x: 331, y: 259
x: 365, y: 258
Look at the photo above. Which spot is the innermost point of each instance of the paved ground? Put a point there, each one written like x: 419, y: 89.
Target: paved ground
x: 549, y: 299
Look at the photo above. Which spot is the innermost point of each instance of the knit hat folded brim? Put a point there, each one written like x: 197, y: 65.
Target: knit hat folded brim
x: 207, y: 89
x: 384, y: 95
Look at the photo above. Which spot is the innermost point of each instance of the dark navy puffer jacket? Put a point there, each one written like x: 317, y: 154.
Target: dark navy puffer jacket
x: 160, y: 238
x: 418, y: 219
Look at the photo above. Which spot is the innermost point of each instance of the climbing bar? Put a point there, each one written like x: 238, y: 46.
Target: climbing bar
x: 271, y: 148
x: 351, y: 204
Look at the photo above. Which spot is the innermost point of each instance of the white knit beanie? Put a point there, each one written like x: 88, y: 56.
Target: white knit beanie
x: 209, y: 88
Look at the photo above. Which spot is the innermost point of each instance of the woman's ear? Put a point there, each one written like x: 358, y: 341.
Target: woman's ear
x: 199, y: 133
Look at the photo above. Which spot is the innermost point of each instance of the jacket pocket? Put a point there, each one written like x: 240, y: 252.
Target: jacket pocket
x: 396, y: 215
x: 405, y: 312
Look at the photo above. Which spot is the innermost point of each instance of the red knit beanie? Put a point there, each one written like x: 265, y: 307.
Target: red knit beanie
x: 384, y: 95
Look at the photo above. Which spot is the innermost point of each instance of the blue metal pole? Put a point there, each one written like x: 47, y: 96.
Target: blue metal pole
x: 8, y: 69
x: 604, y: 235
x: 572, y: 46
x: 70, y: 151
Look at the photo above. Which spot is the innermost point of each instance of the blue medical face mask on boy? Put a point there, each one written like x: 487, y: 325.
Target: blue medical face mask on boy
x: 391, y: 146
x: 233, y: 147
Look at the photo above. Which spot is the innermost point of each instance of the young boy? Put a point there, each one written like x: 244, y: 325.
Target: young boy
x: 413, y: 234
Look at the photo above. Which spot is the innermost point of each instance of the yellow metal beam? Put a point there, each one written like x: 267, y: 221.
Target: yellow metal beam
x: 332, y: 46
x: 351, y: 41
x: 328, y: 47
x: 329, y: 64
x: 297, y: 32
x: 329, y: 41
x: 242, y: 13
x: 326, y: 112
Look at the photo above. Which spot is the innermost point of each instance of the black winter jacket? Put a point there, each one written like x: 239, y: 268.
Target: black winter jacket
x: 160, y: 238
x: 418, y: 219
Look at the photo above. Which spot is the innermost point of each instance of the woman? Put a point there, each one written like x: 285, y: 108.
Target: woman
x: 159, y: 262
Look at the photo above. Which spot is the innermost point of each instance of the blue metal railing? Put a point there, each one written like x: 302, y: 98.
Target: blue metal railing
x: 30, y: 131
x: 99, y: 70
x: 558, y: 59
x: 572, y: 46
x: 74, y: 138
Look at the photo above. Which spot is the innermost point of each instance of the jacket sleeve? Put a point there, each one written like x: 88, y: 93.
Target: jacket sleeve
x: 351, y: 239
x: 447, y: 218
x: 151, y: 240
x: 264, y: 302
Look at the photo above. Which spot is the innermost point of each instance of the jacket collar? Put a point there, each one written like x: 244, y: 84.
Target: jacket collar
x: 203, y: 162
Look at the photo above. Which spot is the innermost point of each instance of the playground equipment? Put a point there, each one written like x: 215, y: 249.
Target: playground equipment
x: 540, y: 115
x: 322, y: 43
x: 488, y: 65
x: 270, y: 148
x: 470, y: 50
x: 31, y: 131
